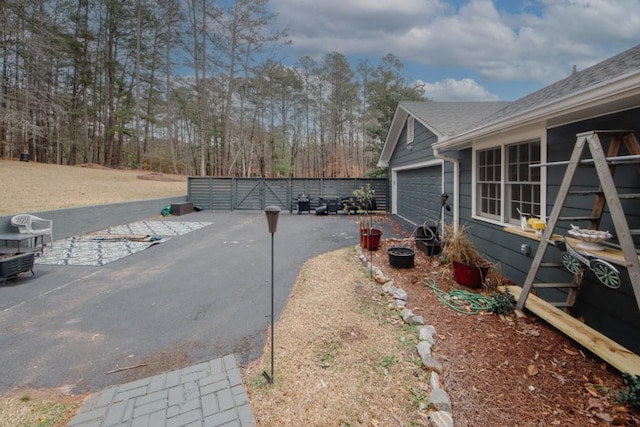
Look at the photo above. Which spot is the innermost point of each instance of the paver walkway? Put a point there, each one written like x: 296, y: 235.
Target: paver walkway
x: 208, y: 394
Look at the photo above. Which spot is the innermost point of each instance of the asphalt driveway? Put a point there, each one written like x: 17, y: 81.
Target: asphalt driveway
x: 198, y: 296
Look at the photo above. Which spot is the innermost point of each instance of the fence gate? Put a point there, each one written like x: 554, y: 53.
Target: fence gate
x: 249, y: 194
x: 257, y: 193
x: 277, y: 192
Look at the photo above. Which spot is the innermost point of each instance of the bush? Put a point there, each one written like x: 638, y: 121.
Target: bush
x: 631, y: 394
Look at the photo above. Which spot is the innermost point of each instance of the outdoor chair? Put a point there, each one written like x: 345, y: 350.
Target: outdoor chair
x: 31, y: 224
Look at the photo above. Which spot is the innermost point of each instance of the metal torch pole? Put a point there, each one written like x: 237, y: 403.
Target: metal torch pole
x: 272, y: 319
x: 272, y: 213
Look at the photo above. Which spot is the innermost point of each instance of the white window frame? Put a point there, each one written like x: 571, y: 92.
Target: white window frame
x: 410, y: 129
x: 502, y: 143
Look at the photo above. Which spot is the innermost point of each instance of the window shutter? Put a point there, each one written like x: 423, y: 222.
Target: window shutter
x: 410, y: 129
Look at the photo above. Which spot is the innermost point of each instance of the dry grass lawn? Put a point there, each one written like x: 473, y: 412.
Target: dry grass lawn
x: 33, y: 187
x: 43, y: 408
x: 341, y: 357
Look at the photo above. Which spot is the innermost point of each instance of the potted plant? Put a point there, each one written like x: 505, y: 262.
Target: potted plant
x: 364, y: 198
x: 470, y: 268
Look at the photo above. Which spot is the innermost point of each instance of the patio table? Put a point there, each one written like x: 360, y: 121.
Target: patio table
x: 18, y: 238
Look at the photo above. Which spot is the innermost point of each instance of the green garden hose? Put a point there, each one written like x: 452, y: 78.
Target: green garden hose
x: 471, y: 303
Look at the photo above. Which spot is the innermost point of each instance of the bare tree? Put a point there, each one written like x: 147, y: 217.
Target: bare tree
x: 243, y: 31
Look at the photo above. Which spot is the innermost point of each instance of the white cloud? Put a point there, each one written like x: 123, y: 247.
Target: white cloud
x: 539, y: 41
x: 352, y: 26
x: 457, y: 90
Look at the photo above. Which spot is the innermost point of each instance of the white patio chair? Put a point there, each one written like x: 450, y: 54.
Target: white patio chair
x: 31, y: 224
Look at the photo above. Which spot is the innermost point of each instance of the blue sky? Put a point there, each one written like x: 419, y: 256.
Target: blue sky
x: 465, y: 50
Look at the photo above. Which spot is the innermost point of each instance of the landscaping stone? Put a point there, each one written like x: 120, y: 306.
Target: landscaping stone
x: 400, y: 294
x: 431, y: 364
x: 439, y: 399
x: 406, y: 315
x: 441, y: 419
x: 389, y: 288
x: 434, y: 381
x: 424, y: 349
x: 380, y: 278
x: 415, y: 320
x: 427, y: 333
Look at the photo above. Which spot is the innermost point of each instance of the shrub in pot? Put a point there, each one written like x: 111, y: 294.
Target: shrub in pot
x: 369, y: 236
x: 470, y: 268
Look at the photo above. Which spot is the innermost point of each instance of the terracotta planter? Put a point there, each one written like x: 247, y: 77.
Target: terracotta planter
x: 470, y: 276
x: 401, y: 257
x: 370, y: 238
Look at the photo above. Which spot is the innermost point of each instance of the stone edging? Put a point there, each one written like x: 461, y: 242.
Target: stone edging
x: 438, y: 398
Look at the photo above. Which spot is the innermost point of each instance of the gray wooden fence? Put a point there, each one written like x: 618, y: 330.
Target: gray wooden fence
x: 227, y: 194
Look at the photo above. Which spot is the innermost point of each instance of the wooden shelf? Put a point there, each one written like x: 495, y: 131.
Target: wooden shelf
x: 614, y: 160
x: 611, y: 255
x: 621, y: 358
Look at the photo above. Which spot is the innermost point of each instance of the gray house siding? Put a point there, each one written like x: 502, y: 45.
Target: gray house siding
x: 560, y: 145
x: 572, y: 105
x: 499, y: 247
x: 613, y: 312
x: 420, y: 147
x: 417, y: 189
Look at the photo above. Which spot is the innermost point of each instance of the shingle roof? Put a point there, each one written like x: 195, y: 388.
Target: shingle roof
x: 602, y: 72
x: 607, y: 84
x: 450, y: 118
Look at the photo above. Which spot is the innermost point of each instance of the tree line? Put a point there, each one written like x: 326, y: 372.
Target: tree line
x: 186, y: 86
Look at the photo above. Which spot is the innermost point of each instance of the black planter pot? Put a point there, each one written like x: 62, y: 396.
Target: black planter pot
x: 429, y: 247
x: 401, y: 257
x: 427, y: 240
x: 429, y: 232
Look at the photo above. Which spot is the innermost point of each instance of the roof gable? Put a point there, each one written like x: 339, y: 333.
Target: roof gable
x: 450, y: 118
x: 444, y: 119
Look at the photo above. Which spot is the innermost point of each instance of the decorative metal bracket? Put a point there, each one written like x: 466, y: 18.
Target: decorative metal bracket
x: 576, y: 262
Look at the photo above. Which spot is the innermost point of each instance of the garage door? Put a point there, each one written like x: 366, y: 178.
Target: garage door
x: 418, y: 193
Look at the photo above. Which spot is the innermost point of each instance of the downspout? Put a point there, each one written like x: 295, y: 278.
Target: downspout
x: 456, y: 183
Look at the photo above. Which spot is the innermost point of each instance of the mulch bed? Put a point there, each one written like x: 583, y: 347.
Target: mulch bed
x: 508, y: 370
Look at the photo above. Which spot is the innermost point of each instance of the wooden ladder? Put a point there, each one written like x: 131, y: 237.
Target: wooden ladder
x: 606, y: 194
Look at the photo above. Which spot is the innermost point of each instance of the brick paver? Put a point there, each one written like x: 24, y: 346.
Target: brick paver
x: 206, y: 394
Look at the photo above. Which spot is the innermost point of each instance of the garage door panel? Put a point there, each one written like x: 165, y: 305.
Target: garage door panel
x: 418, y: 193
